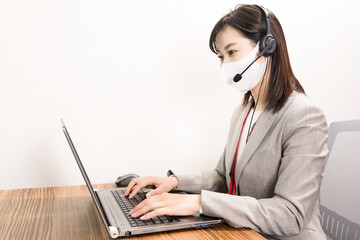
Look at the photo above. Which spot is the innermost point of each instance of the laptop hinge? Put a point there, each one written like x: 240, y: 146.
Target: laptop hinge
x: 114, y: 233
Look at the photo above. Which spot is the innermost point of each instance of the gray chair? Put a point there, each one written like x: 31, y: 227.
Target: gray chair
x: 340, y: 190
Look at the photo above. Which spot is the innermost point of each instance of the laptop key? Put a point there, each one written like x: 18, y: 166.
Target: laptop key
x: 164, y: 219
x: 127, y: 205
x: 148, y: 222
x: 134, y: 202
x: 140, y: 223
x: 156, y: 220
x: 172, y: 219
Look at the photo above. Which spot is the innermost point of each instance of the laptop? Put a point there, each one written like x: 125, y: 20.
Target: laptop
x: 113, y: 208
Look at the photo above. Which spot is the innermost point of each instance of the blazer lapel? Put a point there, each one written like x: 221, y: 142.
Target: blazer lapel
x: 260, y: 130
x: 235, y: 138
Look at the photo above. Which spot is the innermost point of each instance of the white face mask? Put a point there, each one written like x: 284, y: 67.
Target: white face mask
x: 250, y: 78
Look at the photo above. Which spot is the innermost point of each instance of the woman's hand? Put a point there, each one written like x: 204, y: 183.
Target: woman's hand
x: 167, y: 204
x: 162, y: 184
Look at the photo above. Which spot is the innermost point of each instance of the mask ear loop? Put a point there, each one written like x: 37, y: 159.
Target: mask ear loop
x: 257, y: 100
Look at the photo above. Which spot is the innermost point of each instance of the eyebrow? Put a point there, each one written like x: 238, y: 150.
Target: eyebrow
x: 227, y: 46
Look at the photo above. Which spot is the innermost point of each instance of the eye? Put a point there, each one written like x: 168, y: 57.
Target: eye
x: 231, y: 52
x: 221, y: 58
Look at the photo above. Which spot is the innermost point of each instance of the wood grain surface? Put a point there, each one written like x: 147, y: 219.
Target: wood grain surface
x: 69, y: 213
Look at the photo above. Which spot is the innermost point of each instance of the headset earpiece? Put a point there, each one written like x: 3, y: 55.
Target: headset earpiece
x: 268, y: 42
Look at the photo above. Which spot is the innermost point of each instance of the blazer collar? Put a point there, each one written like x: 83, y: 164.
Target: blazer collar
x: 235, y: 138
x: 260, y: 130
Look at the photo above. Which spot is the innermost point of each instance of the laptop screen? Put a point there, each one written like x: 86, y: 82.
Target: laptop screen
x: 84, y: 174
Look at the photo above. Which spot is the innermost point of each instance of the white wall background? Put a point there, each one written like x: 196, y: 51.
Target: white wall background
x: 138, y: 87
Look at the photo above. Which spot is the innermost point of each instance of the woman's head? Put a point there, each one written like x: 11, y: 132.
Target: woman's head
x: 249, y: 22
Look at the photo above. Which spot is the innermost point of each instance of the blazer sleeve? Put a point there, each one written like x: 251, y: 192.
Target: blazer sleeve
x: 213, y: 180
x: 304, y: 150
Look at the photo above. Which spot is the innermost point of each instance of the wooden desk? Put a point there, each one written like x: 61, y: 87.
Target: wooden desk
x: 68, y: 213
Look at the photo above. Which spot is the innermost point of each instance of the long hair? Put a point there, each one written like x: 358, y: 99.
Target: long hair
x: 249, y: 20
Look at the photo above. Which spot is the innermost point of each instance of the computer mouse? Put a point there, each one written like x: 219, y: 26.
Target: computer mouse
x: 124, y: 180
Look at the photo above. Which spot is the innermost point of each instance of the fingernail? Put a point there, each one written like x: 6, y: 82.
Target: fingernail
x: 142, y: 217
x: 148, y: 195
x: 133, y: 215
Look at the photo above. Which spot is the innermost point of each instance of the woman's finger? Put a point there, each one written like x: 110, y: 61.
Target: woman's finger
x: 154, y: 213
x: 156, y: 191
x: 130, y: 186
x: 136, y: 189
x: 147, y: 206
x: 139, y: 184
x: 138, y: 207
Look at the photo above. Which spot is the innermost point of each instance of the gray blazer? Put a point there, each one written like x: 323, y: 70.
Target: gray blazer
x: 278, y: 176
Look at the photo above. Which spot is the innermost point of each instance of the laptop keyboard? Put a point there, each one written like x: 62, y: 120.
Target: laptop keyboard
x: 127, y: 205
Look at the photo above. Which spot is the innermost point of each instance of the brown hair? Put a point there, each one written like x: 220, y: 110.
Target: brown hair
x: 249, y: 20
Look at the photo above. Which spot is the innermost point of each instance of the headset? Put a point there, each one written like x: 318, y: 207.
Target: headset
x: 267, y: 44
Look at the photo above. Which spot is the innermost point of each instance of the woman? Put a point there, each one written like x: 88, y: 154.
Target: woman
x: 269, y: 175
